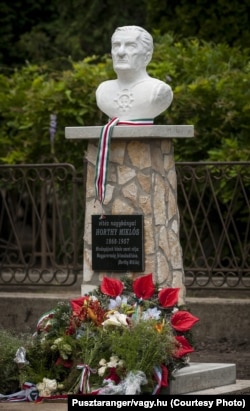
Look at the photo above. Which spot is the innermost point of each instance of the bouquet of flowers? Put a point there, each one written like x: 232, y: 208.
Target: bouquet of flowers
x: 126, y: 337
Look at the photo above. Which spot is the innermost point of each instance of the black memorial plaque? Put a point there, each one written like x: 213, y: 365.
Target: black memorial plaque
x: 117, y: 243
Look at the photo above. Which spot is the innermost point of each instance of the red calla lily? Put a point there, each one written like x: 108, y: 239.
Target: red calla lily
x: 183, y: 321
x: 111, y: 287
x: 144, y: 287
x: 168, y: 297
x: 184, y: 348
x: 77, y: 304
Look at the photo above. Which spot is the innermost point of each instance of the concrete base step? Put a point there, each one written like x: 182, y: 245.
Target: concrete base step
x: 202, y: 376
x: 241, y: 387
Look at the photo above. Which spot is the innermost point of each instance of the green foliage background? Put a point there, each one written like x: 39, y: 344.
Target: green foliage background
x: 41, y: 31
x: 53, y: 55
x: 211, y: 91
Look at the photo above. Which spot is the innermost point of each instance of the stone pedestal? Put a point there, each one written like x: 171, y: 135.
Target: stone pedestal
x: 141, y: 180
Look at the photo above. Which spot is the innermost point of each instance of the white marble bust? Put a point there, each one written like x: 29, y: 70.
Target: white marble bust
x: 134, y: 94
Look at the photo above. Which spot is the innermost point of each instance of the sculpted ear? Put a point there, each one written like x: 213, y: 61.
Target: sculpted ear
x: 148, y: 57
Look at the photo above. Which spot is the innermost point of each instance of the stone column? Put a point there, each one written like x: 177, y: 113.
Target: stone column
x: 141, y: 180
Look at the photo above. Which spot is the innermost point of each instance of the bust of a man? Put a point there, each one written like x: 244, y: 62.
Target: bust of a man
x: 134, y: 94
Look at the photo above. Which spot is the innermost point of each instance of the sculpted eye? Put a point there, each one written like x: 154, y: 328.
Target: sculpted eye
x: 131, y: 46
x: 115, y: 46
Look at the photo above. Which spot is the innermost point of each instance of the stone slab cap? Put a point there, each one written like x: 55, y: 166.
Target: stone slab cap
x: 130, y: 132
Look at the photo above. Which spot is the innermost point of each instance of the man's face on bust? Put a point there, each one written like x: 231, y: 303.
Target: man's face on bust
x: 128, y: 52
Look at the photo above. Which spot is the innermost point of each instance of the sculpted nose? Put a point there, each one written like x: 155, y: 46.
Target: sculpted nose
x: 121, y: 50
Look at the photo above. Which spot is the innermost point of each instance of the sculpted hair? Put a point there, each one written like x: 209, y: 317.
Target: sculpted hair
x: 145, y: 36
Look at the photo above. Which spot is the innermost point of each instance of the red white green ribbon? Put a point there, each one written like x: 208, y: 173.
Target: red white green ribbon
x: 161, y: 377
x: 28, y: 393
x: 43, y: 323
x: 84, y: 386
x: 103, y: 152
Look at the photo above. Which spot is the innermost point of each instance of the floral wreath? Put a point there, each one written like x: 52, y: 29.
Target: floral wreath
x: 126, y: 337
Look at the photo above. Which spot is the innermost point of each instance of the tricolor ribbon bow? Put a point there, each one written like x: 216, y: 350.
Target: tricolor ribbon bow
x: 103, y: 152
x: 84, y: 386
x: 161, y: 377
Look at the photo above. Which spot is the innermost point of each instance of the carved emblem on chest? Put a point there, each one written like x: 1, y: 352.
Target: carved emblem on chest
x: 124, y: 100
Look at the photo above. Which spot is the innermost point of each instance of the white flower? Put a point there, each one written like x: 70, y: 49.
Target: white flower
x: 116, y: 318
x: 47, y: 387
x: 102, y: 362
x: 118, y: 302
x: 101, y: 371
x: 112, y: 320
x: 64, y: 348
x: 151, y: 313
x: 58, y: 341
x: 115, y: 362
x: 67, y: 348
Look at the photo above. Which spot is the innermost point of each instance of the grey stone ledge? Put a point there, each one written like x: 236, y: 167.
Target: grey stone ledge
x: 130, y: 132
x: 201, y: 376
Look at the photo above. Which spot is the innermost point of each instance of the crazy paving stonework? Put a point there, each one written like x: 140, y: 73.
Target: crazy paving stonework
x: 141, y: 180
